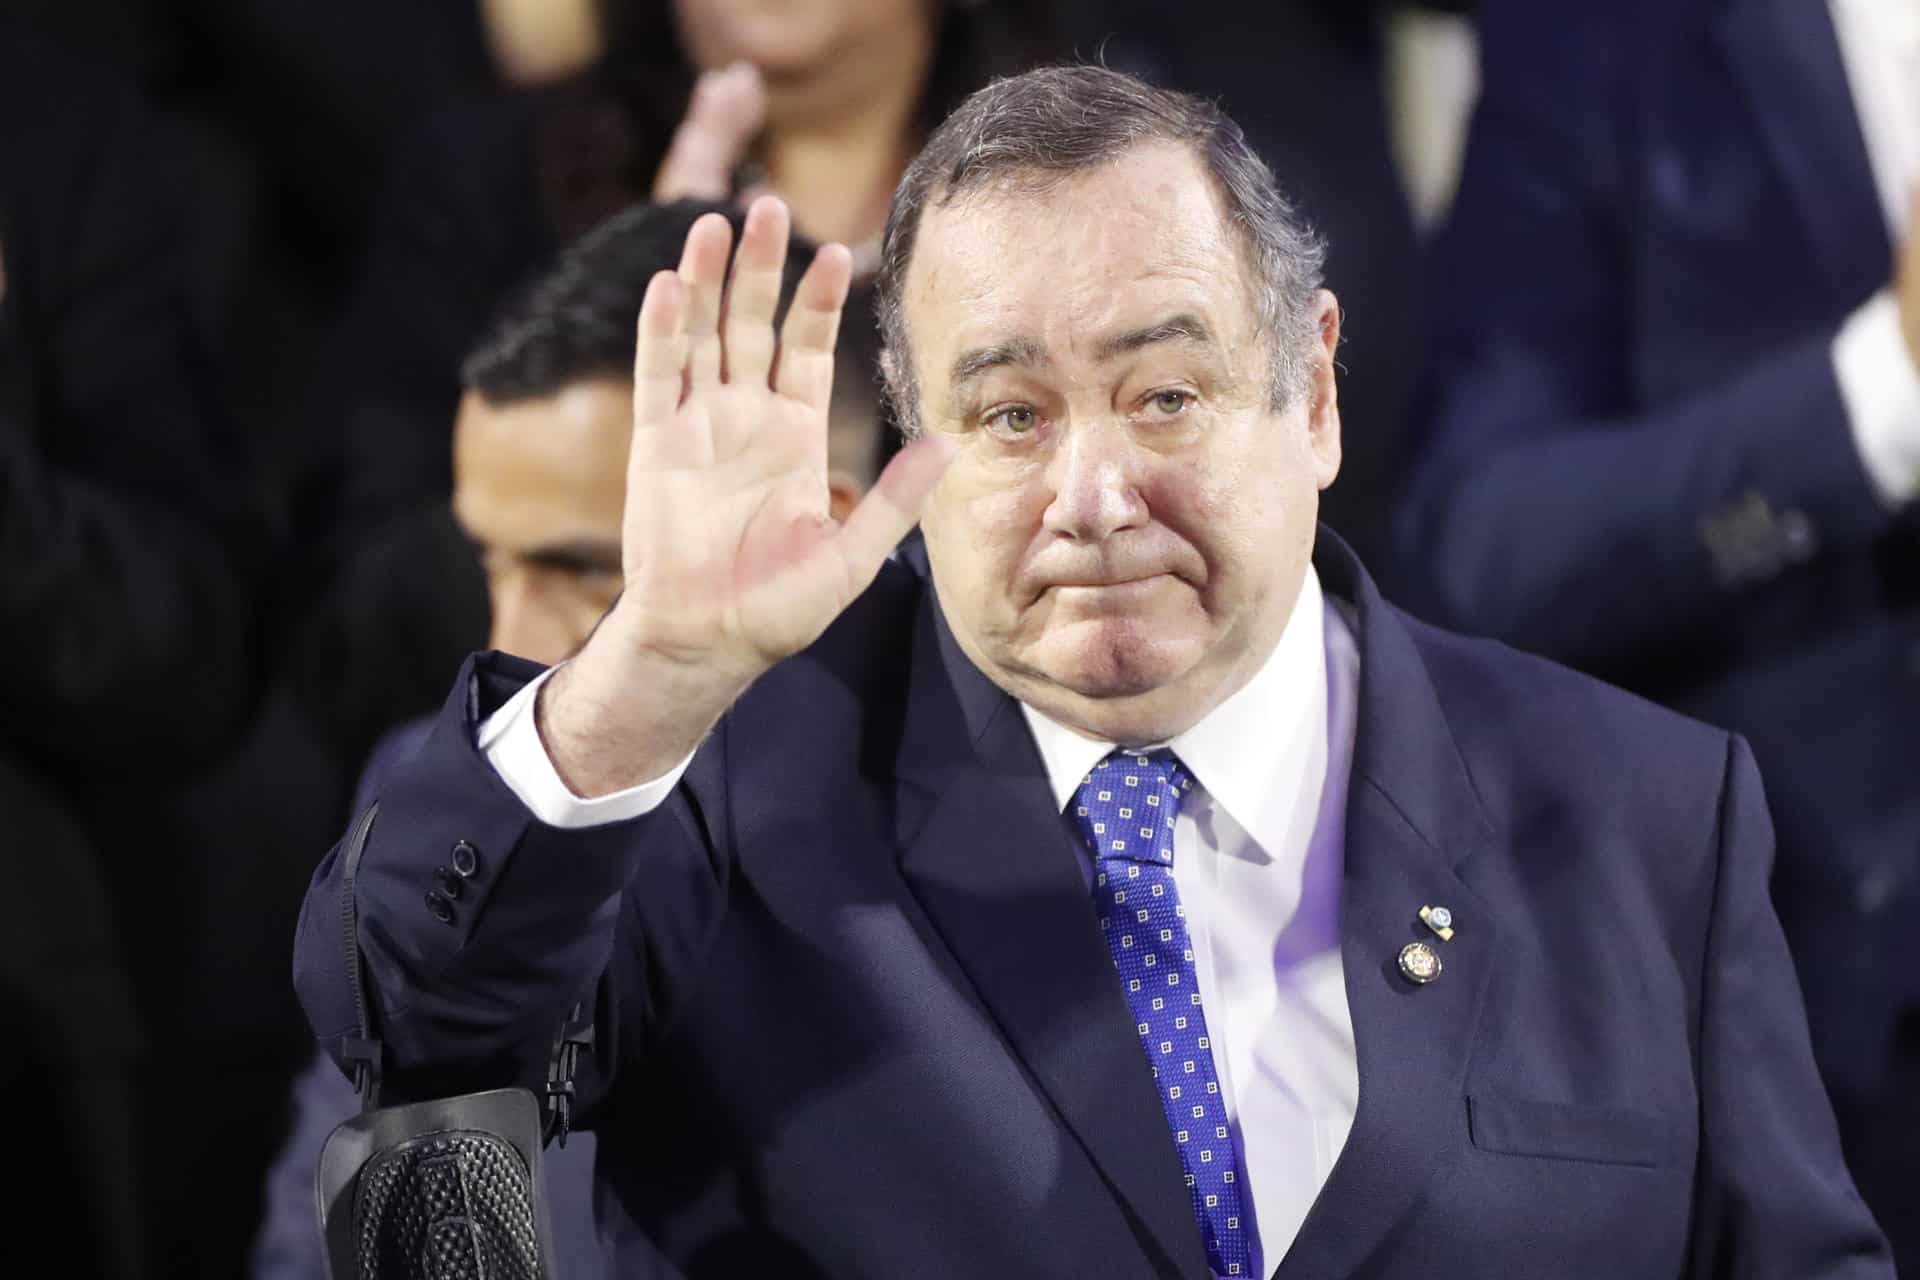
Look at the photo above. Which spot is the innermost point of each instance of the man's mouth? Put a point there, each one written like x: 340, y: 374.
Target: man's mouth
x: 1112, y: 591
x: 1107, y: 583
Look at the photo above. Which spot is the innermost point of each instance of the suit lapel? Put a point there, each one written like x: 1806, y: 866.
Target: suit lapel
x: 1413, y: 818
x: 994, y: 866
x: 1788, y: 59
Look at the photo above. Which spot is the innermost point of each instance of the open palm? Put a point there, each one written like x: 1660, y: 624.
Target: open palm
x: 731, y: 558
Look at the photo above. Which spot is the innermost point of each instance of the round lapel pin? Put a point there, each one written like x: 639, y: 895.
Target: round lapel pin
x: 1420, y: 963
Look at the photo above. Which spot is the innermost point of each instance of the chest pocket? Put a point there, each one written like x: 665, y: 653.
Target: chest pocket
x: 1569, y: 1131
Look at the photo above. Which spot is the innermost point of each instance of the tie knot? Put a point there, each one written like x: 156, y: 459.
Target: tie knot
x: 1127, y: 806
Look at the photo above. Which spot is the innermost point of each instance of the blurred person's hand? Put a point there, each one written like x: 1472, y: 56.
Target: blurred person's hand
x: 1907, y: 284
x: 731, y: 558
x: 726, y: 112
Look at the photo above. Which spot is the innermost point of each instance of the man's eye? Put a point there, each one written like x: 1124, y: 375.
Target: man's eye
x: 1170, y: 402
x: 1015, y: 419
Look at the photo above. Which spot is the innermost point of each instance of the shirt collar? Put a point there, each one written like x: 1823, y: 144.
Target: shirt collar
x: 1240, y: 747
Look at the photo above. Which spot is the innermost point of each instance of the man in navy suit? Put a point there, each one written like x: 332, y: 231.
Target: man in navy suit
x: 1675, y: 441
x: 1136, y: 893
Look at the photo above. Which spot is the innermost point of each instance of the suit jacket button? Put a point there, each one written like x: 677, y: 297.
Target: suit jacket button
x: 466, y: 860
x: 440, y: 905
x: 450, y: 884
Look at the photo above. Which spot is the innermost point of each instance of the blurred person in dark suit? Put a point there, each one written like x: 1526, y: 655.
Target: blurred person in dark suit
x: 1059, y: 911
x: 125, y: 662
x: 1675, y: 440
x: 539, y: 461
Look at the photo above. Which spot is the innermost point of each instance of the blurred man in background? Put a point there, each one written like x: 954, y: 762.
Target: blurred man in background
x: 539, y: 463
x: 1675, y: 440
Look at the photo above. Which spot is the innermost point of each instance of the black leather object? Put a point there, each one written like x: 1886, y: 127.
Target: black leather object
x: 447, y: 1189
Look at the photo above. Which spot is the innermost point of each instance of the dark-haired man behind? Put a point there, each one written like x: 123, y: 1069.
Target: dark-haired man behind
x: 540, y: 450
x: 1137, y: 895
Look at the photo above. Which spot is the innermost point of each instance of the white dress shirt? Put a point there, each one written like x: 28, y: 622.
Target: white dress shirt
x: 1880, y: 46
x: 1259, y: 855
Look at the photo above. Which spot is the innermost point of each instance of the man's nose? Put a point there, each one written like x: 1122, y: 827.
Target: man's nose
x: 1095, y: 477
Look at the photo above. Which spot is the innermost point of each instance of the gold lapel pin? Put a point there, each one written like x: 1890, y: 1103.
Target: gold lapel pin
x: 1440, y: 920
x: 1420, y: 963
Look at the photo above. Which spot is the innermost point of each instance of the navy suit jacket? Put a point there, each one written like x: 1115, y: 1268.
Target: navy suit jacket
x: 856, y: 1016
x: 1638, y: 460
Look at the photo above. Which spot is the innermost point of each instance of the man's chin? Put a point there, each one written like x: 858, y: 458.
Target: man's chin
x: 1116, y: 685
x: 1114, y: 659
x: 1121, y: 688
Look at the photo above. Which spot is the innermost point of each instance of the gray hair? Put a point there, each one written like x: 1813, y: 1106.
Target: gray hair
x: 1052, y: 123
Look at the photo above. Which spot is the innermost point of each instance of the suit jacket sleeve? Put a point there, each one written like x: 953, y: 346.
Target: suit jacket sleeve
x: 1773, y: 1196
x: 1550, y: 507
x: 618, y: 915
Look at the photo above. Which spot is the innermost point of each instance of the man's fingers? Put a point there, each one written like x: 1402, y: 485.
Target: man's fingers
x: 812, y: 327
x: 703, y: 270
x: 892, y: 506
x: 727, y: 110
x: 754, y: 292
x: 659, y: 353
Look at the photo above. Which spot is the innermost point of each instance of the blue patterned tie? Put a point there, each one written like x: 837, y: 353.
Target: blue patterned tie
x: 1126, y: 809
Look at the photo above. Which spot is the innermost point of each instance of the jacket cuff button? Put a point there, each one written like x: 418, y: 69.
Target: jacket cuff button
x: 466, y: 860
x: 441, y: 906
x: 449, y: 883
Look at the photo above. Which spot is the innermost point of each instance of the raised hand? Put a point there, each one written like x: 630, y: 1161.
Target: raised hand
x: 727, y: 109
x: 731, y: 559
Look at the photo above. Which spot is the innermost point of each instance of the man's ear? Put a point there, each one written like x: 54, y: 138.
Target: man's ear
x: 1323, y: 390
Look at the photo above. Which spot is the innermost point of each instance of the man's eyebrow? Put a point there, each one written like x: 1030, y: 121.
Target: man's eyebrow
x: 971, y: 364
x: 1185, y: 327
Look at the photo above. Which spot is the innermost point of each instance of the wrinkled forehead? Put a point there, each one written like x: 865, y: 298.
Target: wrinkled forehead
x: 1054, y: 256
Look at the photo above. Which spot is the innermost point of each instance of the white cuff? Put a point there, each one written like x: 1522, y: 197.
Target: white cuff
x: 511, y: 740
x: 1881, y: 389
